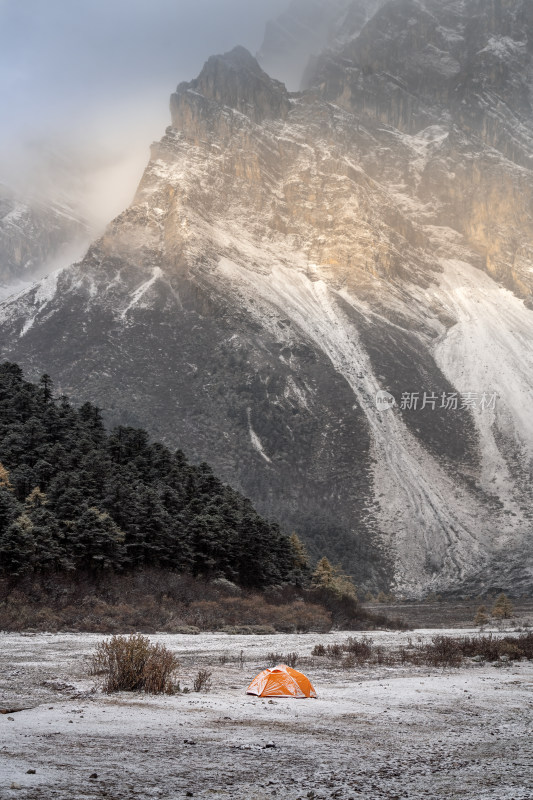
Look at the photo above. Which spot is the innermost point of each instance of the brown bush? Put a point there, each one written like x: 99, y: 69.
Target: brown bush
x: 525, y: 643
x: 133, y: 664
x: 291, y: 659
x: 202, y: 681
x: 361, y: 649
x: 334, y: 651
x: 491, y: 648
x: 444, y: 651
x: 349, y: 661
x: 272, y: 659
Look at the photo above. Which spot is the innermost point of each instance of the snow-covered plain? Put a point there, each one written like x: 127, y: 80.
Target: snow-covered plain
x: 373, y: 732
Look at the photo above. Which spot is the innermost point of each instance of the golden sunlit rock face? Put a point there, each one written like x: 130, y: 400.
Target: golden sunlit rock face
x: 465, y: 67
x: 291, y: 261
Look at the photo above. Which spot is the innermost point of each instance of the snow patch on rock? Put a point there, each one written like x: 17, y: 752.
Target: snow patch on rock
x: 256, y: 441
x: 142, y: 290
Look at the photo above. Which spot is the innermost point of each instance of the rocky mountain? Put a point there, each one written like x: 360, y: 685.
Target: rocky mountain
x: 465, y: 67
x: 301, y: 33
x: 293, y: 261
x: 33, y: 234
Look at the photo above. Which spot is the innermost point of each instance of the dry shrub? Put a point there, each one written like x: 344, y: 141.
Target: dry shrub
x: 525, y: 643
x: 491, y: 648
x: 291, y: 659
x: 46, y: 620
x: 202, y: 681
x: 133, y: 664
x: 334, y: 651
x: 249, y: 630
x: 444, y: 651
x: 309, y: 617
x: 373, y: 621
x: 274, y: 658
x: 151, y: 600
x: 206, y: 615
x: 254, y: 611
x: 226, y: 588
x: 361, y: 649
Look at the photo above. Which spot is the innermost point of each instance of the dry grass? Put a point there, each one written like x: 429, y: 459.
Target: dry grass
x: 133, y: 664
x: 151, y: 601
x: 290, y: 659
x: 442, y: 651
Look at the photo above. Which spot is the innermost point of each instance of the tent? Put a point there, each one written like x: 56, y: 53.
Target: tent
x: 281, y: 681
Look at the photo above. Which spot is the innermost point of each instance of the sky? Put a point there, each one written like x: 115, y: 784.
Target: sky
x: 85, y: 86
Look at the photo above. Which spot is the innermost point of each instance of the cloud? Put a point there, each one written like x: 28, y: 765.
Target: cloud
x: 90, y: 80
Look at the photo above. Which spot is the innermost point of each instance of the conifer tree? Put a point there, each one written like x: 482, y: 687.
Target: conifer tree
x: 17, y: 547
x: 502, y: 608
x: 75, y: 497
x: 324, y: 575
x: 46, y: 387
x: 300, y: 555
x: 4, y: 478
x: 481, y: 618
x: 49, y: 545
x: 97, y: 541
x: 327, y: 576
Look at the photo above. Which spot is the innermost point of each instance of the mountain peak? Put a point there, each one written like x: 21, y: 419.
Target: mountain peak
x: 239, y: 59
x: 235, y: 80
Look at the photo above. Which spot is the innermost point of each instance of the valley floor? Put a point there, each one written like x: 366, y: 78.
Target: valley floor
x: 373, y: 732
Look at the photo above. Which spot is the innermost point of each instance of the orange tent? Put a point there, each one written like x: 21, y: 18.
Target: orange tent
x: 281, y: 681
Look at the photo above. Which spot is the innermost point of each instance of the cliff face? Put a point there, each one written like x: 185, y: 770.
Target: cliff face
x: 305, y: 30
x: 32, y: 233
x: 467, y: 68
x: 286, y: 257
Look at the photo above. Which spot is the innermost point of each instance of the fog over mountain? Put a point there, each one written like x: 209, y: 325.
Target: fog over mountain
x: 86, y: 87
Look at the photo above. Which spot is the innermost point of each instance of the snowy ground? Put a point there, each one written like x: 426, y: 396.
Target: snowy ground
x: 373, y: 732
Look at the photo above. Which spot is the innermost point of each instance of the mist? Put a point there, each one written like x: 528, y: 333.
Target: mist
x: 85, y: 87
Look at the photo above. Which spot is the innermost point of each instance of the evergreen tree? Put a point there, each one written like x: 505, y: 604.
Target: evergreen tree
x: 46, y: 387
x: 4, y: 478
x: 324, y: 575
x: 97, y: 541
x: 10, y: 509
x: 17, y: 547
x: 333, y: 578
x: 300, y: 571
x: 502, y: 608
x: 50, y: 553
x: 75, y: 497
x: 481, y: 618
